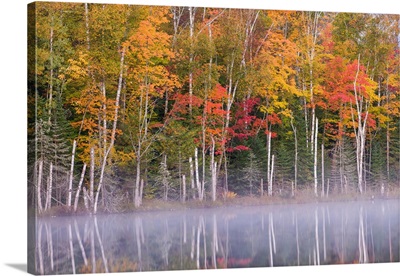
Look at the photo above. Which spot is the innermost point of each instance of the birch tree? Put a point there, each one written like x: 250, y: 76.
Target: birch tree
x: 149, y: 79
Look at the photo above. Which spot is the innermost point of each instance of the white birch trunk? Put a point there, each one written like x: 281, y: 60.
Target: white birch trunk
x: 39, y: 187
x: 137, y: 184
x: 359, y: 129
x: 183, y: 188
x: 51, y: 69
x: 114, y: 128
x: 327, y: 189
x: 192, y: 12
x: 141, y: 191
x: 196, y: 162
x: 87, y: 26
x: 71, y: 175
x: 322, y: 170
x: 79, y: 187
x: 269, y: 161
x: 271, y: 176
x: 213, y: 168
x: 316, y: 158
x: 85, y: 198
x: 192, y: 178
x: 49, y: 188
x: 91, y: 188
x: 388, y: 152
x: 296, y: 154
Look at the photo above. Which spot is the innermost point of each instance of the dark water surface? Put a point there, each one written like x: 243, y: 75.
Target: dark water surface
x: 285, y: 235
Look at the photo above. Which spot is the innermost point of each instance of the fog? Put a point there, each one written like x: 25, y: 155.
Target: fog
x: 262, y: 236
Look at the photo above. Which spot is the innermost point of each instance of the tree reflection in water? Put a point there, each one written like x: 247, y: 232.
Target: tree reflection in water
x: 290, y: 235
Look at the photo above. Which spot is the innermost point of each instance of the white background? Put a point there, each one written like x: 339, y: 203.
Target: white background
x: 13, y: 229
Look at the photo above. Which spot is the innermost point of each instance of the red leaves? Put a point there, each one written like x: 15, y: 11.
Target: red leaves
x: 237, y: 148
x: 182, y: 103
x: 245, y: 120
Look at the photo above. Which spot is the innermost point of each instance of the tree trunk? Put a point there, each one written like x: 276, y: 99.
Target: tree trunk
x: 51, y: 69
x: 327, y: 189
x: 49, y: 188
x: 322, y: 170
x: 137, y: 184
x: 79, y: 187
x: 213, y: 167
x: 85, y: 198
x: 196, y: 162
x: 192, y: 13
x: 91, y: 188
x: 71, y: 175
x: 296, y: 154
x: 192, y: 178
x: 316, y: 157
x: 271, y: 177
x: 183, y: 188
x: 262, y: 187
x: 164, y: 173
x: 115, y: 120
x: 269, y: 162
x: 359, y: 129
x: 39, y: 187
x: 141, y: 191
x: 87, y: 26
x: 387, y: 159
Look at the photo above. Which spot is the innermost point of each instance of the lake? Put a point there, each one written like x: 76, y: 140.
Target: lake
x: 262, y: 236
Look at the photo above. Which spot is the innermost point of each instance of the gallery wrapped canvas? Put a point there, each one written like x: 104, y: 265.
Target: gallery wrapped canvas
x: 183, y: 137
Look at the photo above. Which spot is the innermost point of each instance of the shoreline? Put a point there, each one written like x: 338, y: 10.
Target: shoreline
x: 157, y: 205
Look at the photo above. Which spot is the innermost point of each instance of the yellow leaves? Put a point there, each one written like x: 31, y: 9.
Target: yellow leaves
x: 77, y: 68
x: 370, y: 88
x: 124, y: 158
x: 286, y: 113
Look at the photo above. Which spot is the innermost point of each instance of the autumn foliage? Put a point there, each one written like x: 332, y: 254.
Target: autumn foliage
x: 144, y: 85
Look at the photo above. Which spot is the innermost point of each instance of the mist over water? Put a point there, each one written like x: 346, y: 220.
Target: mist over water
x: 262, y: 236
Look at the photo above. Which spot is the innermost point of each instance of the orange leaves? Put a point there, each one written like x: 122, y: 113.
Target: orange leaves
x: 149, y: 44
x: 149, y: 54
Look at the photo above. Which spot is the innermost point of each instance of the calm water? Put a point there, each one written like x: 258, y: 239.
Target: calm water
x: 288, y: 235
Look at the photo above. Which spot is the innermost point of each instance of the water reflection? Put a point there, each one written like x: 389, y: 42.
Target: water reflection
x: 307, y: 234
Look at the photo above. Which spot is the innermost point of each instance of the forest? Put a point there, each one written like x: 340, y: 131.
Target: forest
x: 128, y: 104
